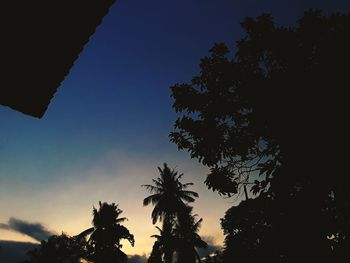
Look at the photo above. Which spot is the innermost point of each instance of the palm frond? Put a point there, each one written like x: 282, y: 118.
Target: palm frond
x: 120, y: 220
x: 157, y: 214
x: 188, y: 199
x: 186, y: 185
x: 158, y: 185
x: 150, y: 188
x: 189, y: 193
x: 124, y: 233
x: 151, y: 199
x: 85, y: 233
x: 198, y: 224
x: 179, y: 176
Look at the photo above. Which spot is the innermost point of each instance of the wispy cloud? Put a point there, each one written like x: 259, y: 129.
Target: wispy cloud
x: 13, y: 251
x: 35, y: 230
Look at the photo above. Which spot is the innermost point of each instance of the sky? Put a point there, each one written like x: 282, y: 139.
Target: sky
x: 106, y: 130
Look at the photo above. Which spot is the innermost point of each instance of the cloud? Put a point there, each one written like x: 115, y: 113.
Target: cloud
x: 212, y: 247
x: 4, y: 226
x: 35, y: 230
x: 14, y: 252
x: 137, y: 259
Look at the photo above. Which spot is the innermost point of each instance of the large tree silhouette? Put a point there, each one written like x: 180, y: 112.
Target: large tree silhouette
x: 273, y: 117
x: 106, y: 234
x: 169, y: 196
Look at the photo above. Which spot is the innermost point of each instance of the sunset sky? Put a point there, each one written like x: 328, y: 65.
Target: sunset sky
x: 106, y: 130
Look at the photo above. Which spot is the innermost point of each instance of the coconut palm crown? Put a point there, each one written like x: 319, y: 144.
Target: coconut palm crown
x: 168, y: 194
x: 106, y: 234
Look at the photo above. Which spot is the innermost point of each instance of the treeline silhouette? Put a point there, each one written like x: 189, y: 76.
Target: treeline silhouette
x: 271, y: 122
x: 177, y: 239
x: 100, y: 243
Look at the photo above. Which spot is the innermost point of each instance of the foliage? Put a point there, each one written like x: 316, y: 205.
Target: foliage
x: 273, y: 117
x: 249, y: 231
x: 168, y: 194
x: 159, y: 246
x: 170, y: 198
x: 58, y: 249
x: 104, y: 242
x: 187, y: 237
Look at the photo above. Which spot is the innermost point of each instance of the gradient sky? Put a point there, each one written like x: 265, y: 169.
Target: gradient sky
x: 106, y: 130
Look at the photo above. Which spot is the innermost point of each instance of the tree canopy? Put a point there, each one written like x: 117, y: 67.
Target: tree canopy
x: 58, y: 249
x: 179, y: 233
x: 104, y: 242
x: 168, y: 194
x: 273, y: 117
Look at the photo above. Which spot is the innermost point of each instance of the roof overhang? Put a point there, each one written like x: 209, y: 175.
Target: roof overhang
x: 40, y: 40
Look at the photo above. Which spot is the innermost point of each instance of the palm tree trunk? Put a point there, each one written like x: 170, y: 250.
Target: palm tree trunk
x: 167, y: 231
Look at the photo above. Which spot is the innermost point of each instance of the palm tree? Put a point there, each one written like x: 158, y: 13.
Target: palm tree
x: 106, y: 234
x: 187, y: 238
x: 169, y: 196
x: 158, y: 247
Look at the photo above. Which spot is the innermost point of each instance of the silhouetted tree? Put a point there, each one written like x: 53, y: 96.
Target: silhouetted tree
x: 273, y: 117
x: 168, y: 195
x: 58, y: 249
x: 105, y: 235
x: 183, y: 238
x: 159, y: 246
x: 248, y: 231
x: 187, y: 237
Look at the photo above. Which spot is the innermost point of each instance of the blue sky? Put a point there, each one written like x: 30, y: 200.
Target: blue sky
x: 107, y: 127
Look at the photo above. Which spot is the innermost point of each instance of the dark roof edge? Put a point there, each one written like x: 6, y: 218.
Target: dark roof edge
x: 59, y: 83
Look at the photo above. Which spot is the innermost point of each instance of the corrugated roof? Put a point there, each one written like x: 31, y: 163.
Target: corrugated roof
x: 40, y: 40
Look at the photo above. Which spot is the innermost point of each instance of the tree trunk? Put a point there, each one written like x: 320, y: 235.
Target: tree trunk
x: 168, y: 248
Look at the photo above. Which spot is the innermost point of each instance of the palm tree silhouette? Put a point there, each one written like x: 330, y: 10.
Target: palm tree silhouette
x: 106, y: 234
x: 158, y: 246
x: 187, y: 238
x: 168, y: 195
